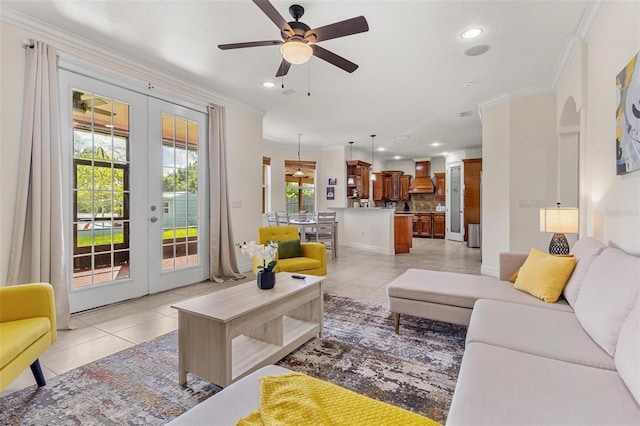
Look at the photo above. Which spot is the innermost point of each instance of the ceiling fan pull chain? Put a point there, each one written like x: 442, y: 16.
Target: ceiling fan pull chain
x: 309, y: 78
x: 282, y: 76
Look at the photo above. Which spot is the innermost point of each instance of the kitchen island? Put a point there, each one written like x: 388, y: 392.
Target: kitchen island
x: 371, y: 229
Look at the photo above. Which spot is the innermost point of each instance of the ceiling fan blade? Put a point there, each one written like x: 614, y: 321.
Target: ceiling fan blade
x: 271, y: 12
x: 334, y: 59
x: 283, y: 69
x: 338, y: 29
x: 250, y: 44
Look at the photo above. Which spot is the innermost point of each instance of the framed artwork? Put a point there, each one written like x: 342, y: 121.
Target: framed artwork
x: 333, y: 181
x: 628, y: 118
x: 330, y: 193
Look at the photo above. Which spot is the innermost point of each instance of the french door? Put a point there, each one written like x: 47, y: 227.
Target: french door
x: 136, y: 199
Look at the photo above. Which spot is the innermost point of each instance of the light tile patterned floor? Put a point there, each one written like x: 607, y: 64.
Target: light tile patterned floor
x: 356, y: 273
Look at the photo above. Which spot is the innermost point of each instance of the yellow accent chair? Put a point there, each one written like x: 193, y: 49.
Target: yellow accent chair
x: 27, y: 329
x: 314, y: 255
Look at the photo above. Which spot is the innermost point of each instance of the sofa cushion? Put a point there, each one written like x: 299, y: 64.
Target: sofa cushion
x: 462, y: 290
x: 609, y: 292
x: 498, y: 386
x: 627, y: 357
x: 537, y: 331
x: 544, y: 275
x: 297, y: 264
x: 585, y: 251
x: 17, y: 336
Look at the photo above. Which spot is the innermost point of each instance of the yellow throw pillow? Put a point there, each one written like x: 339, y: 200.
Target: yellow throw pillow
x: 544, y: 275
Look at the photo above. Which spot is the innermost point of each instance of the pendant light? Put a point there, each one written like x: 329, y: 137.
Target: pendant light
x: 298, y: 173
x: 372, y: 177
x: 350, y: 180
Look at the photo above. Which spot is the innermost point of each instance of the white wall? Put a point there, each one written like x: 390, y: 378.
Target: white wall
x: 330, y: 163
x: 244, y: 131
x: 496, y: 169
x: 526, y: 169
x: 613, y: 202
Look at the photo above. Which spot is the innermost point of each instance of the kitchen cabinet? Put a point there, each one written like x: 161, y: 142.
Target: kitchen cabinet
x: 394, y: 183
x: 472, y: 170
x: 438, y: 225
x: 441, y: 193
x: 358, y: 171
x: 404, y: 187
x: 378, y: 187
x: 422, y: 225
x: 403, y: 233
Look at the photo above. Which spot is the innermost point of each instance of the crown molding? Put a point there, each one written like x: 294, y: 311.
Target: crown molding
x: 517, y: 94
x: 587, y: 25
x: 78, y: 50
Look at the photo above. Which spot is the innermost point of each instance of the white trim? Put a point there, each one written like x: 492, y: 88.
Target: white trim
x: 489, y: 271
x: 517, y: 94
x: 70, y: 48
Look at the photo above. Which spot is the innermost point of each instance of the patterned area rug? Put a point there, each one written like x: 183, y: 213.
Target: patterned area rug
x: 416, y: 370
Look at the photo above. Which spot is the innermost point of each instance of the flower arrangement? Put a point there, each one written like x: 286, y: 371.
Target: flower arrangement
x: 265, y: 252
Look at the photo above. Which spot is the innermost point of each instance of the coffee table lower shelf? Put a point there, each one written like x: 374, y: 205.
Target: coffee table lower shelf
x: 249, y: 354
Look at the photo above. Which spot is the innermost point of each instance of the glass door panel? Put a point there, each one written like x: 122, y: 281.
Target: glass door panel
x: 454, y: 201
x: 104, y: 129
x: 179, y: 237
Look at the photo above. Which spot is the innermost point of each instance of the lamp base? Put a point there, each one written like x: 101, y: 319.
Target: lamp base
x: 559, y: 244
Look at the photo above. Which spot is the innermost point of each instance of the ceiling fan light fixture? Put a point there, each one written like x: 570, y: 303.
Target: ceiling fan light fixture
x: 298, y: 173
x: 296, y: 52
x: 471, y: 33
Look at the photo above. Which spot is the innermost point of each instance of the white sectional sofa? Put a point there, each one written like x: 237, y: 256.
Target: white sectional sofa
x: 526, y: 362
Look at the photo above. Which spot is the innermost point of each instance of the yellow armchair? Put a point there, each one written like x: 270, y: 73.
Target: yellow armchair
x: 27, y: 329
x: 314, y: 255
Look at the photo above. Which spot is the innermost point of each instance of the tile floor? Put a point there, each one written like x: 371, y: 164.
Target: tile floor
x: 356, y: 273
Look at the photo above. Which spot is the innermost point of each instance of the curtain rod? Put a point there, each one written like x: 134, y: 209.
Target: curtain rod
x: 29, y: 43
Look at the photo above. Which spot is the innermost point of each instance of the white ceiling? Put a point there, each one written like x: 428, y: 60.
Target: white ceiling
x: 412, y: 61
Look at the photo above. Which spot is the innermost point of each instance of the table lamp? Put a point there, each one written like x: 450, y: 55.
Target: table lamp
x: 560, y: 221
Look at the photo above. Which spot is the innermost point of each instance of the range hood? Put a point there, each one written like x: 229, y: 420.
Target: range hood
x: 422, y: 184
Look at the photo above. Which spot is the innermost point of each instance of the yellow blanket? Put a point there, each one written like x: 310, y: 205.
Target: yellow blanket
x: 297, y: 399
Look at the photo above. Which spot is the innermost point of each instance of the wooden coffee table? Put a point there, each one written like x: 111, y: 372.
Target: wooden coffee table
x: 224, y: 336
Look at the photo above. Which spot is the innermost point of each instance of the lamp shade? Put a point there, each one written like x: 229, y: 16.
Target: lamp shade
x: 559, y: 220
x: 296, y: 52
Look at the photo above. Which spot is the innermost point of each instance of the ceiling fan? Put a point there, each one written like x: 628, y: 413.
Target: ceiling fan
x: 82, y: 104
x: 299, y: 40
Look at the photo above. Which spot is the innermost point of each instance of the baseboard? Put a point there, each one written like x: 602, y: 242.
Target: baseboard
x: 369, y: 248
x: 489, y: 271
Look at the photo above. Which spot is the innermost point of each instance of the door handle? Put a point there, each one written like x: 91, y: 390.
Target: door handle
x: 153, y: 219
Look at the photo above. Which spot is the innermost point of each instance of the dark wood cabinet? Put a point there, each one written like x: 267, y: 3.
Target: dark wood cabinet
x: 439, y: 225
x: 441, y: 190
x: 404, y: 187
x: 378, y: 187
x: 358, y: 179
x: 472, y: 170
x: 402, y: 228
x: 422, y: 225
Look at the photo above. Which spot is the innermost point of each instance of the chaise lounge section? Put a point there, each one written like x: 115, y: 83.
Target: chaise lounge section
x: 573, y: 362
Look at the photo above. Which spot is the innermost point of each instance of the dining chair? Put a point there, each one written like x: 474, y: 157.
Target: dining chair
x: 325, y: 231
x: 271, y: 218
x: 282, y: 218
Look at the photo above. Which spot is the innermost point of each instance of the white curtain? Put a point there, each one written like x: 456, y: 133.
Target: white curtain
x: 37, y: 244
x: 223, y: 262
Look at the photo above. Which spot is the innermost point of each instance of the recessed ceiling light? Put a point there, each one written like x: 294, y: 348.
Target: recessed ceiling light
x: 397, y: 157
x: 436, y: 144
x: 269, y: 84
x: 471, y: 33
x: 467, y: 84
x: 444, y: 153
x: 381, y: 149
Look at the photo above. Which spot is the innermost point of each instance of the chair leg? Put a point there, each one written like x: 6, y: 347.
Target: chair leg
x: 37, y: 373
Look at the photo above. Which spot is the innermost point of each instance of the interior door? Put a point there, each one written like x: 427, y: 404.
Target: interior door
x: 455, y: 206
x: 178, y: 199
x: 104, y: 134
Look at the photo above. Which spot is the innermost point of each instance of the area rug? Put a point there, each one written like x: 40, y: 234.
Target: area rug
x: 416, y: 370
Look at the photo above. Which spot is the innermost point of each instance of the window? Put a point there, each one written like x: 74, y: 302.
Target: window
x: 266, y: 187
x: 300, y: 191
x: 166, y: 207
